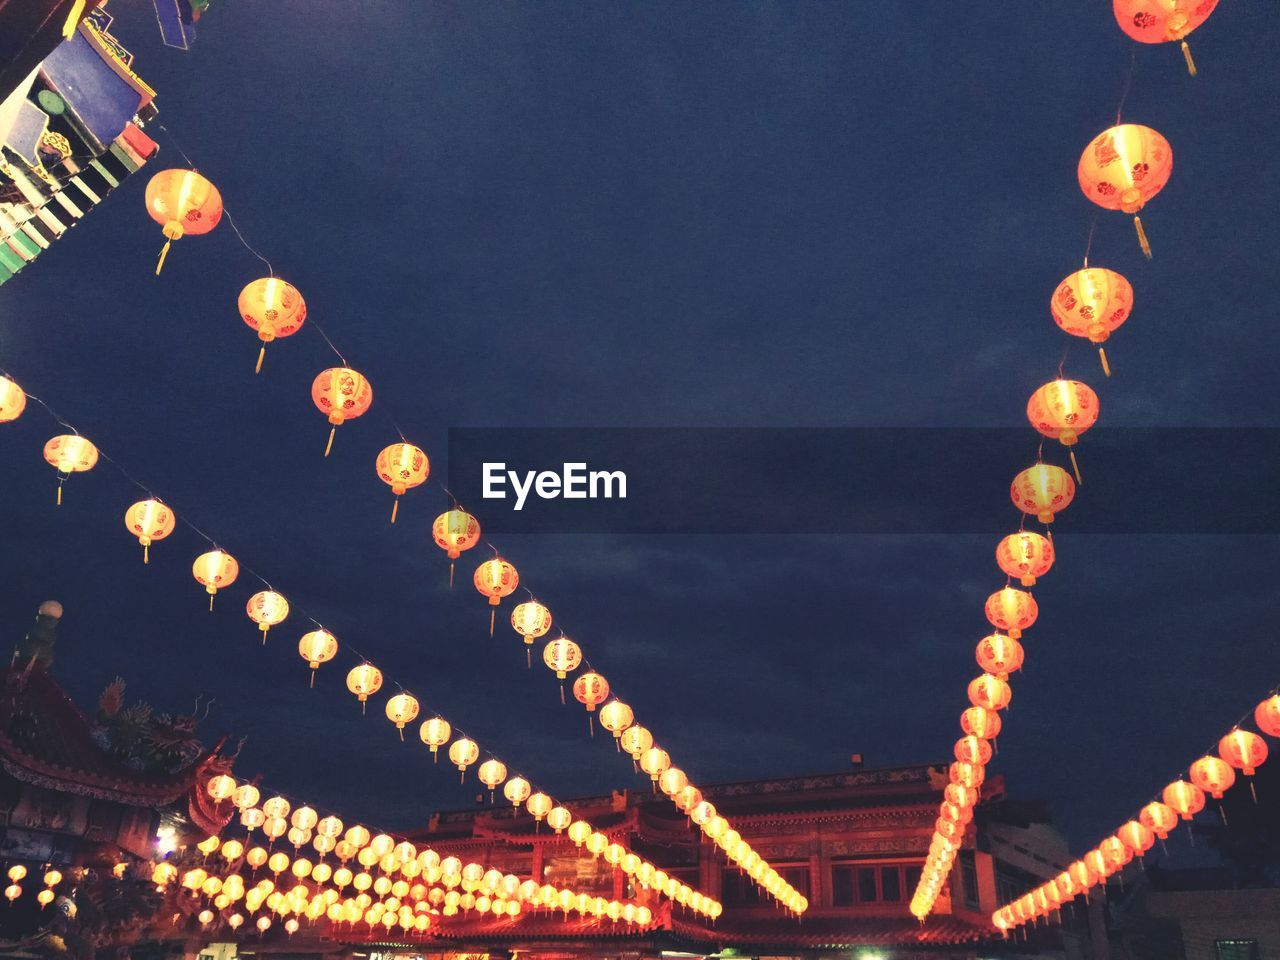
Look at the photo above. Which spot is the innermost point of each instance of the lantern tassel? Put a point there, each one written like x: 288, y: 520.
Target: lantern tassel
x: 462, y: 777
x: 562, y: 693
x: 528, y: 658
x: 492, y: 611
x: 264, y: 637
x: 312, y: 685
x: 1253, y: 790
x: 450, y: 574
x: 401, y: 734
x: 329, y: 446
x: 362, y: 708
x: 1222, y: 812
x: 262, y: 355
x: 77, y: 8
x: 211, y: 603
x: 1075, y: 467
x: 59, y: 493
x: 146, y: 553
x: 617, y: 745
x: 1142, y: 237
x: 435, y: 756
x: 591, y: 724
x: 1186, y: 55
x: 1102, y: 355
x: 395, y: 508
x: 164, y: 252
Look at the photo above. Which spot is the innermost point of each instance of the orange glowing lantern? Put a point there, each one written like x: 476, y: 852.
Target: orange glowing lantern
x: 341, y: 394
x: 491, y: 773
x: 149, y: 520
x: 1158, y: 818
x: 1083, y: 873
x: 616, y: 717
x: 1243, y: 750
x: 1011, y: 611
x: 13, y: 400
x: 961, y: 795
x: 402, y: 466
x: 272, y: 307
x: 539, y: 805
x: 635, y: 740
x: 214, y: 570
x: 531, y: 620
x: 1042, y: 491
x: 1267, y: 716
x: 402, y: 709
x: 517, y: 790
x: 1138, y: 837
x: 1092, y: 303
x: 68, y: 454
x: 654, y: 762
x: 973, y: 750
x: 1213, y: 776
x: 591, y: 690
x: 317, y: 647
x: 1062, y: 410
x: 1124, y: 167
x: 435, y: 733
x: 364, y: 681
x: 1163, y: 21
x: 999, y: 655
x: 1025, y: 555
x: 1185, y: 799
x: 182, y: 202
x: 989, y: 692
x: 267, y: 609
x: 981, y: 723
x: 495, y: 579
x: 463, y: 752
x: 455, y: 531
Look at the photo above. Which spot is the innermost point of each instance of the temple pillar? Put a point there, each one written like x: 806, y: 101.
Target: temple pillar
x: 535, y: 865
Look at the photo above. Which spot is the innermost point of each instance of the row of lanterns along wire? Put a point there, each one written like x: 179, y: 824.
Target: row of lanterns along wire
x: 51, y: 878
x: 1238, y: 749
x: 1120, y: 169
x: 454, y: 531
x: 349, y: 876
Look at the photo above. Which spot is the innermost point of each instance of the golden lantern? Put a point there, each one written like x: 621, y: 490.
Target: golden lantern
x: 1163, y: 21
x: 364, y: 681
x: 1185, y: 799
x: 539, y: 805
x: 672, y: 781
x: 635, y: 740
x: 517, y: 790
x: 1267, y: 716
x: 563, y: 656
x: 979, y: 722
x: 616, y: 717
x: 214, y: 570
x: 267, y: 609
x: 1244, y: 750
x: 1042, y: 491
x: 495, y: 579
x: 1158, y: 818
x: 1123, y: 167
x: 454, y: 531
x: 1062, y: 410
x: 654, y: 761
x: 463, y: 752
x: 402, y: 466
x: 13, y: 400
x: 989, y: 692
x: 1025, y: 555
x: 221, y: 787
x: 276, y: 807
x: 999, y: 655
x: 272, y: 307
x: 491, y: 773
x: 435, y: 733
x: 1136, y: 836
x: 317, y: 647
x: 558, y: 818
x: 973, y: 750
x: 70, y: 453
x: 1011, y: 611
x: 1212, y: 775
x: 1092, y: 303
x: 149, y: 520
x: 531, y: 620
x: 402, y: 709
x: 182, y: 202
x: 591, y: 689
x: 341, y: 394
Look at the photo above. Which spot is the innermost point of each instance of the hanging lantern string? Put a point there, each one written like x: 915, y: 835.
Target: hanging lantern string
x: 1088, y: 244
x: 1128, y: 81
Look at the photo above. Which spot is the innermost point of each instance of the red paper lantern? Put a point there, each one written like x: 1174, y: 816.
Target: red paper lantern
x: 1158, y: 818
x: 183, y: 203
x: 1025, y: 555
x: 1185, y: 799
x: 1123, y: 167
x: 1092, y: 303
x: 495, y: 579
x: 973, y: 750
x: 341, y: 394
x: 402, y: 466
x: 1213, y: 776
x: 1244, y: 750
x: 1011, y: 611
x: 272, y: 307
x: 1163, y: 21
x: 1138, y: 837
x: 1042, y: 491
x: 1267, y: 716
x: 999, y: 655
x: 989, y: 692
x: 980, y: 722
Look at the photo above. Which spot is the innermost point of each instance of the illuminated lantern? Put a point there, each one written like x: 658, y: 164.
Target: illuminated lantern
x: 672, y: 781
x: 616, y: 717
x: 341, y: 394
x: 1243, y: 750
x: 1042, y: 491
x: 539, y: 805
x: 149, y: 520
x: 213, y: 570
x: 1092, y: 303
x: 435, y: 733
x: 463, y: 752
x: 402, y: 709
x: 68, y: 454
x: 1124, y: 167
x: 558, y: 818
x: 1213, y: 776
x: 990, y: 692
x: 182, y: 202
x: 531, y: 620
x: 267, y: 609
x: 364, y: 681
x: 1011, y: 611
x: 272, y: 307
x: 455, y: 531
x: 981, y: 723
x: 495, y: 579
x: 517, y: 790
x: 1185, y: 799
x: 967, y: 774
x: 1158, y: 818
x: 1163, y: 21
x: 999, y: 655
x: 1136, y: 836
x: 688, y: 798
x: 1062, y: 410
x: 973, y: 750
x: 591, y: 689
x: 1025, y: 555
x: 1083, y: 873
x: 654, y: 761
x: 635, y: 740
x: 402, y: 466
x: 13, y: 400
x: 317, y: 647
x: 960, y: 795
x: 1267, y: 716
x: 563, y: 656
x: 491, y: 773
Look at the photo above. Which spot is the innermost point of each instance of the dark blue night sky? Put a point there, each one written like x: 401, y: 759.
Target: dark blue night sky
x: 754, y: 214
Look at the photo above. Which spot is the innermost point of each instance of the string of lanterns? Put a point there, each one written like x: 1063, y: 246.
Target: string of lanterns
x: 1239, y: 750
x: 1121, y: 169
